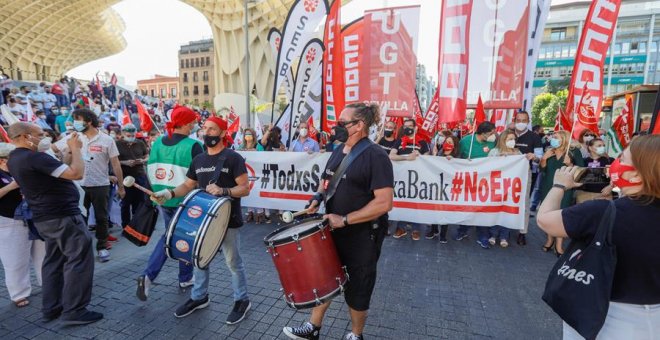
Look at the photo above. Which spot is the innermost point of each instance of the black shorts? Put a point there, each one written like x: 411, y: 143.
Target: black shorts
x: 359, y: 249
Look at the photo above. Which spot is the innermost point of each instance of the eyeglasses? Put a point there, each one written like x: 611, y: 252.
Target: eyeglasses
x: 346, y: 124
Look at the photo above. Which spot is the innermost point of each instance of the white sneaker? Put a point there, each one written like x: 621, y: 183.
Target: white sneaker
x: 187, y: 283
x: 104, y: 255
x: 491, y: 241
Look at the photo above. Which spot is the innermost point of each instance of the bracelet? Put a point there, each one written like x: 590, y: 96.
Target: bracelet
x: 562, y: 187
x: 345, y: 220
x: 172, y: 192
x: 229, y: 191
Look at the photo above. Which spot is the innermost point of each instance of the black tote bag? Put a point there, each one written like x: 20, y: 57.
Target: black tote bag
x: 142, y: 225
x: 580, y: 283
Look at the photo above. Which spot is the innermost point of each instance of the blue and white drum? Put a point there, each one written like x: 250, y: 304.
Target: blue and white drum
x: 198, y: 228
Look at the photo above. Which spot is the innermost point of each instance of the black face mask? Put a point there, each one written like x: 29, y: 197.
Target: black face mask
x: 211, y: 141
x: 408, y: 131
x: 388, y: 133
x: 341, y: 134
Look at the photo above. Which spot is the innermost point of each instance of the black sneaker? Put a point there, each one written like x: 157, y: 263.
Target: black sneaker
x: 443, y: 239
x: 191, y: 306
x: 88, y: 317
x: 238, y: 313
x: 143, y: 287
x: 306, y: 331
x: 48, y: 317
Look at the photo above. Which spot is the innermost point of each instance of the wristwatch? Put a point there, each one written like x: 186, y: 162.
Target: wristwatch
x: 345, y: 220
x: 562, y: 187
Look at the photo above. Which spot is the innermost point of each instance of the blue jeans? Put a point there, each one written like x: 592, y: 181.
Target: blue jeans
x: 536, y: 191
x: 482, y: 232
x: 500, y: 232
x: 158, y: 257
x: 234, y: 262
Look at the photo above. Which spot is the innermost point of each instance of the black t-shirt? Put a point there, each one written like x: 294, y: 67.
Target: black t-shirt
x: 12, y: 199
x: 48, y: 197
x: 203, y: 169
x: 176, y: 138
x: 597, y: 178
x: 527, y: 142
x: 388, y: 145
x: 422, y: 147
x: 636, y: 237
x: 131, y: 151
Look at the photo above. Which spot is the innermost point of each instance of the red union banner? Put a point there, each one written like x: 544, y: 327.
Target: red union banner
x: 588, y: 68
x: 453, y: 60
x: 351, y: 36
x: 430, y: 123
x: 333, y: 68
x: 389, y: 63
x: 498, y: 34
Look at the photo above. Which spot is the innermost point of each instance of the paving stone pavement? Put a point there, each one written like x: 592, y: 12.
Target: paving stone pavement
x: 425, y: 290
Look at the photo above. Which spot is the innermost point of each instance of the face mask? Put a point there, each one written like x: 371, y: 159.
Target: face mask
x: 129, y: 139
x: 388, y: 133
x: 211, y: 141
x: 44, y: 144
x: 555, y: 143
x: 600, y: 150
x: 408, y: 131
x: 79, y: 126
x: 448, y: 147
x: 303, y: 132
x: 510, y: 144
x: 491, y: 138
x: 603, y: 137
x: 521, y: 126
x: 55, y: 112
x: 588, y: 139
x: 616, y: 174
x: 248, y: 138
x: 441, y: 140
x: 42, y: 117
x: 341, y: 134
x: 195, y: 129
x: 65, y: 112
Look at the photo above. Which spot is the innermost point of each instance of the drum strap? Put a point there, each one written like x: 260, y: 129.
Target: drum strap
x: 357, y: 149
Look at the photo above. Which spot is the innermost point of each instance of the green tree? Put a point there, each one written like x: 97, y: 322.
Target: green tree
x: 540, y: 103
x: 556, y: 85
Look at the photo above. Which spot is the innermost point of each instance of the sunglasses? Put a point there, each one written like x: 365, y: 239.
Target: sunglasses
x: 347, y: 123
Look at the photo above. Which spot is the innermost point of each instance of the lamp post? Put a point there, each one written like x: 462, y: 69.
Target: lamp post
x: 248, y: 112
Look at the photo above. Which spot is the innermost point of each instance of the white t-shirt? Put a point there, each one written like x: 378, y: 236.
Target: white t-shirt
x: 96, y: 154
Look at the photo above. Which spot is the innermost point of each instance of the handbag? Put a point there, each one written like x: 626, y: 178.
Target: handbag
x: 579, y: 286
x: 142, y: 225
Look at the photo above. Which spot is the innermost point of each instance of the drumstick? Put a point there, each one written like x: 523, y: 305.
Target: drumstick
x: 287, y: 216
x: 129, y: 181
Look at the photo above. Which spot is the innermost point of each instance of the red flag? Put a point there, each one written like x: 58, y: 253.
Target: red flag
x: 558, y: 118
x: 232, y: 116
x: 623, y: 125
x: 98, y: 84
x: 454, y: 59
x: 585, y: 112
x: 498, y: 118
x: 126, y: 117
x: 654, y: 129
x: 145, y: 119
x: 597, y: 33
x: 113, y: 80
x: 234, y: 126
x: 480, y: 113
x: 310, y: 127
x: 4, y: 135
x: 333, y: 68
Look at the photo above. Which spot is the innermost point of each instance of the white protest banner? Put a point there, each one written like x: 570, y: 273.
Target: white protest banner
x: 431, y: 190
x: 275, y: 40
x: 310, y: 70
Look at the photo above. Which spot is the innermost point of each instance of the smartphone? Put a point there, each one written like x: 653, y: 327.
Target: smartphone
x: 592, y: 175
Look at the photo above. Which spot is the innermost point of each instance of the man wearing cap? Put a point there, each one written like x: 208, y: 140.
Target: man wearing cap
x: 169, y: 159
x: 219, y: 171
x: 133, y: 155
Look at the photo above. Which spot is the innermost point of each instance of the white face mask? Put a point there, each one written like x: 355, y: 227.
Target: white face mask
x: 491, y: 138
x: 303, y: 132
x: 600, y: 150
x: 44, y: 144
x: 440, y: 140
x: 521, y: 126
x: 510, y: 144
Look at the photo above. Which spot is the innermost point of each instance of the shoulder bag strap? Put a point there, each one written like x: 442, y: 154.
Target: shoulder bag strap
x: 604, y: 232
x: 362, y: 145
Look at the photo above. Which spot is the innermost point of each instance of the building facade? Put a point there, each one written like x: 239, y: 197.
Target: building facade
x: 425, y: 87
x: 197, y: 73
x: 162, y: 87
x: 633, y: 55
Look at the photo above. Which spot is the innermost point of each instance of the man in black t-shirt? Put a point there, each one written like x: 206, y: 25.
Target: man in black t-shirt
x: 133, y: 155
x: 529, y: 144
x: 357, y: 214
x: 46, y: 184
x: 230, y: 180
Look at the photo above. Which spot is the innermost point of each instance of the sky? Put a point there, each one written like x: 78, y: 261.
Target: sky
x: 155, y: 29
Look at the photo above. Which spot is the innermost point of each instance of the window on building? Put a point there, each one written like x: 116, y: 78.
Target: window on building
x: 195, y: 76
x: 548, y: 52
x: 642, y: 47
x: 634, y: 47
x: 196, y: 62
x: 625, y: 47
x: 208, y: 61
x: 195, y: 90
x: 185, y: 91
x: 572, y: 51
x: 153, y: 93
x: 565, y: 51
x: 182, y: 63
x: 558, y: 34
x: 173, y: 92
x: 163, y: 92
x: 557, y: 51
x: 205, y: 77
x: 185, y: 77
x: 565, y: 71
x: 617, y: 48
x: 187, y: 63
x: 201, y: 62
x: 206, y: 89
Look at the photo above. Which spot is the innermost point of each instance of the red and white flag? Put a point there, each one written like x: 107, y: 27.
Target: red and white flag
x: 313, y: 133
x: 453, y: 60
x: 586, y: 114
x: 146, y: 122
x: 4, y: 135
x: 479, y: 113
x: 113, y: 80
x: 499, y: 119
x: 333, y: 68
x: 430, y: 122
x: 620, y: 134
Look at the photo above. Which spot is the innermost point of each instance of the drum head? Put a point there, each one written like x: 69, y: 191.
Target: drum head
x: 213, y: 232
x: 302, y: 228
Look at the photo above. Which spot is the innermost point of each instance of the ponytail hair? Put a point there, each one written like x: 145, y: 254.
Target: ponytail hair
x: 368, y: 113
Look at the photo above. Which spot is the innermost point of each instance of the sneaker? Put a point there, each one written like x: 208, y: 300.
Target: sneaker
x: 492, y: 241
x: 352, y: 336
x: 187, y: 283
x: 268, y: 220
x: 431, y: 234
x: 522, y: 240
x: 190, y: 306
x: 104, y: 256
x: 249, y: 217
x: 483, y: 244
x: 144, y: 283
x: 306, y: 331
x: 504, y: 243
x: 112, y: 238
x: 48, y: 317
x: 415, y: 235
x: 399, y: 233
x: 88, y: 317
x: 238, y: 313
x: 108, y: 245
x: 443, y: 239
x: 460, y: 236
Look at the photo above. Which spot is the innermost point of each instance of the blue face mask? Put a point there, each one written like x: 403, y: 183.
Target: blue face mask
x: 195, y: 129
x: 555, y: 143
x: 129, y: 139
x: 79, y: 126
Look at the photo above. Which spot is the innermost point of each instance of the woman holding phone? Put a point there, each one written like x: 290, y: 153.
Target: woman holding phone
x: 598, y: 185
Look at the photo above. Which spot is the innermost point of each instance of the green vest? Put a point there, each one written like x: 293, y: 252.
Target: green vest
x: 168, y: 165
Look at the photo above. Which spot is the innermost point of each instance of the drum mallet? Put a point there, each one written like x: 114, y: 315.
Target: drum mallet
x: 287, y: 216
x: 129, y: 181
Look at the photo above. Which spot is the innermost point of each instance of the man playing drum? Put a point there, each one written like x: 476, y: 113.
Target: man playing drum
x: 221, y: 172
x: 357, y: 213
